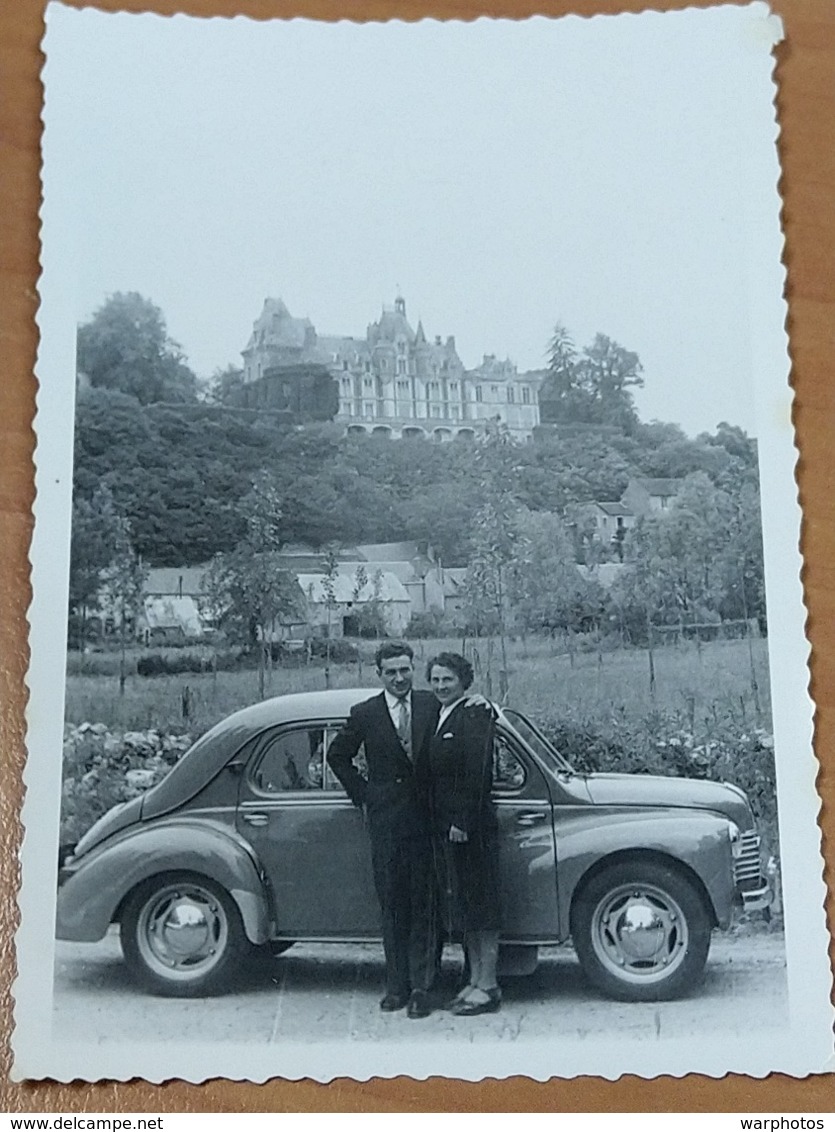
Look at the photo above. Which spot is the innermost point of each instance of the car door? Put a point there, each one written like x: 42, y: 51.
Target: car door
x: 309, y: 838
x: 527, y: 850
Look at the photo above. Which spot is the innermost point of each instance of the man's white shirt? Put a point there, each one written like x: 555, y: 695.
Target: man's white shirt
x: 393, y: 704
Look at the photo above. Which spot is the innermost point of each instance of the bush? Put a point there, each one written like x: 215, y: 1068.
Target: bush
x: 103, y: 768
x: 341, y: 651
x: 658, y: 745
x: 429, y: 624
x: 158, y: 664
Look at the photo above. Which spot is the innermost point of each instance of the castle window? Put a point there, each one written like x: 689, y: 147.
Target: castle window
x: 494, y: 391
x: 478, y: 393
x: 368, y: 409
x: 526, y: 395
x: 511, y: 394
x: 403, y: 388
x: 344, y: 363
x: 453, y: 387
x: 436, y: 410
x: 367, y: 382
x: 401, y: 347
x: 401, y: 365
x: 368, y: 367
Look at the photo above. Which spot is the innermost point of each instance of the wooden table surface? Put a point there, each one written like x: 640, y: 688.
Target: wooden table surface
x: 806, y: 106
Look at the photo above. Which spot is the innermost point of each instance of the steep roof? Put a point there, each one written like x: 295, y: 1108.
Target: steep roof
x: 388, y: 551
x: 345, y: 347
x: 390, y: 326
x: 175, y: 581
x: 390, y: 588
x: 276, y: 327
x: 614, y: 508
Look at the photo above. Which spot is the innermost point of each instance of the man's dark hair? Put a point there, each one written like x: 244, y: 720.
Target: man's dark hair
x: 455, y: 663
x: 388, y: 649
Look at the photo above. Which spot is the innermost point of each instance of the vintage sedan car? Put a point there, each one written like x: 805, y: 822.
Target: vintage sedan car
x: 250, y: 842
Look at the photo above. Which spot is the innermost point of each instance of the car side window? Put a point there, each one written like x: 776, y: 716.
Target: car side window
x: 509, y: 773
x: 292, y: 761
x: 296, y: 760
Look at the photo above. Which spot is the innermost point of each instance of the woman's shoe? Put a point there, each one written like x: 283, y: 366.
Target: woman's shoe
x: 468, y: 1008
x: 459, y: 998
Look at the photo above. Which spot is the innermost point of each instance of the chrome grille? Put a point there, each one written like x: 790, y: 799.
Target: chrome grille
x: 747, y: 870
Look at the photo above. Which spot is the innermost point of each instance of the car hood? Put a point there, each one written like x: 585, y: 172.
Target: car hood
x: 656, y: 790
x: 117, y: 818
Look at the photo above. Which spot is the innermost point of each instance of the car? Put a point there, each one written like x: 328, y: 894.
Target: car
x: 250, y: 844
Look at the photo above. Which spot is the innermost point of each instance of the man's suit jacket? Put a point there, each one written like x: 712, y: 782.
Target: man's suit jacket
x: 395, y: 793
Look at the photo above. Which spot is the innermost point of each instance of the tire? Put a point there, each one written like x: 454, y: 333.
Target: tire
x: 641, y: 931
x: 182, y: 936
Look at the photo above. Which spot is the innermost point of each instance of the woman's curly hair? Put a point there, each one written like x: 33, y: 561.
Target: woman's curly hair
x: 455, y: 663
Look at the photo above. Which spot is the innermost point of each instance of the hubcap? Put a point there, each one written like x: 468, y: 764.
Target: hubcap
x: 639, y: 933
x: 182, y: 931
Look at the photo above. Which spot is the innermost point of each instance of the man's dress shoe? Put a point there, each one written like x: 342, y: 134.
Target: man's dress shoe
x: 420, y: 1005
x: 391, y: 1002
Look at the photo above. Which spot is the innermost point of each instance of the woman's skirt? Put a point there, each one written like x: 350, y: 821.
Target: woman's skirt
x: 469, y: 882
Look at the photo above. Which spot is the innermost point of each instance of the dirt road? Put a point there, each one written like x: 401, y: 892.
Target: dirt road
x: 331, y: 992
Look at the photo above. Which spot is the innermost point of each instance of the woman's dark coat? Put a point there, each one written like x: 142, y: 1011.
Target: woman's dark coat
x: 460, y: 772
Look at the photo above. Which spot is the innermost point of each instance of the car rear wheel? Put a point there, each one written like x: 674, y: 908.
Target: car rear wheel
x: 182, y: 935
x: 641, y: 931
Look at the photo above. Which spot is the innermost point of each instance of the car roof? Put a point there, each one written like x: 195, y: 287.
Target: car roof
x: 333, y: 703
x: 214, y: 750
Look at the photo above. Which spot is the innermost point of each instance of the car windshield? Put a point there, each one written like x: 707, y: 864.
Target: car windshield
x: 536, y: 740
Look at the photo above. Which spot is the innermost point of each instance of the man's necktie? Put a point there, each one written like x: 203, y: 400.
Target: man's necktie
x: 404, y: 727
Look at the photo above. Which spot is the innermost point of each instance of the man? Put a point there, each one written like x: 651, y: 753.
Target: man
x: 395, y: 727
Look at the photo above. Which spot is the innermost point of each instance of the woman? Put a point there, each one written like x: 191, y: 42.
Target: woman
x: 465, y: 828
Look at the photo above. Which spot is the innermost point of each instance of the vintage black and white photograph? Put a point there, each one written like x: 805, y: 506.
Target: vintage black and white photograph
x: 418, y: 674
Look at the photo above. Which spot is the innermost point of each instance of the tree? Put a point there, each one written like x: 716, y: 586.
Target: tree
x: 224, y: 384
x: 485, y: 604
x: 249, y: 588
x: 330, y: 572
x: 126, y: 347
x: 608, y: 371
x: 124, y: 583
x: 561, y: 397
x: 545, y: 589
x: 96, y: 530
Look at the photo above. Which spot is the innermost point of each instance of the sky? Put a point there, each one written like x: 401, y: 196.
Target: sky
x: 612, y: 175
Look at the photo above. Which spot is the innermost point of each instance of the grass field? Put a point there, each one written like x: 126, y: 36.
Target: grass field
x: 694, y: 686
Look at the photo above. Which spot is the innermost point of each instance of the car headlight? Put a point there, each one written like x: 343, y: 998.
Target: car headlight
x: 735, y: 838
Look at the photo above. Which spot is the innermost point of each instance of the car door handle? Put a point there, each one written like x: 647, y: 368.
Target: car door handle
x: 256, y: 817
x: 531, y: 817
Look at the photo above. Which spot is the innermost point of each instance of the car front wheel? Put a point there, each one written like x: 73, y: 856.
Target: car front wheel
x: 641, y: 931
x: 182, y: 935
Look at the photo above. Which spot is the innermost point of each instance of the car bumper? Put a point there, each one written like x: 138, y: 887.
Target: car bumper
x: 755, y: 899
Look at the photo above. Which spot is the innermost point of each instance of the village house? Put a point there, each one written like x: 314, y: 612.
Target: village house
x: 650, y: 496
